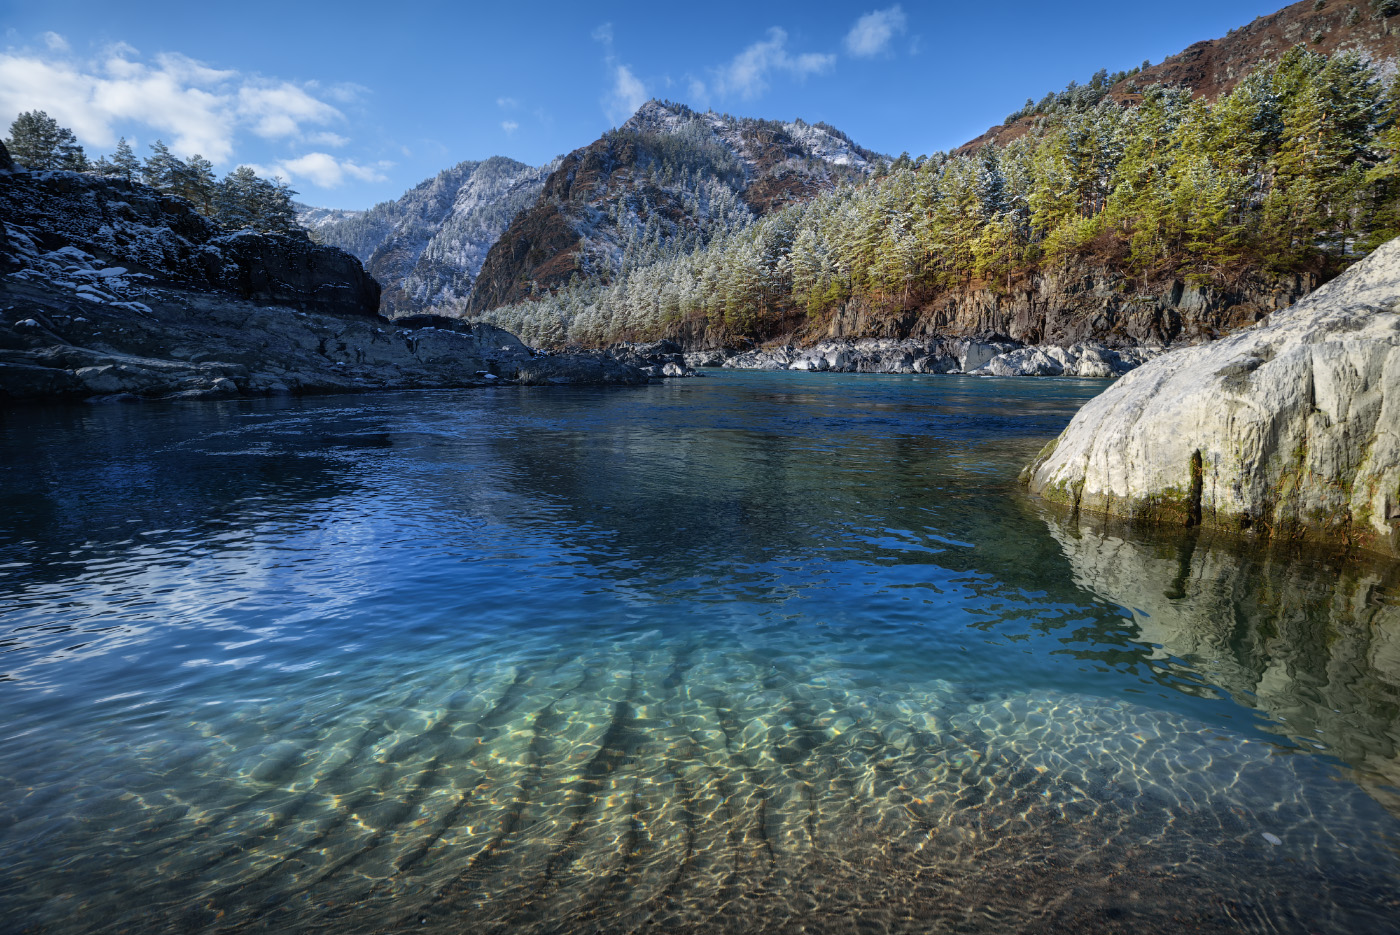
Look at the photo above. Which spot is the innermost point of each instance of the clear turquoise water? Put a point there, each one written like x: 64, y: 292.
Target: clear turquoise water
x: 753, y: 652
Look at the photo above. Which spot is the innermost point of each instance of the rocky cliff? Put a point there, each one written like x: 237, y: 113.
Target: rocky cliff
x: 667, y: 175
x: 108, y: 287
x: 1287, y: 429
x: 1083, y: 301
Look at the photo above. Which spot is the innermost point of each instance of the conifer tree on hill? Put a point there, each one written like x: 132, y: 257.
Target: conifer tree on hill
x: 124, y: 161
x: 38, y: 142
x: 241, y: 200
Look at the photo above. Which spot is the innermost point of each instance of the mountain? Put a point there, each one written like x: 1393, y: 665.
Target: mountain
x: 1128, y: 212
x: 314, y: 219
x: 667, y: 180
x: 426, y: 248
x: 1212, y: 67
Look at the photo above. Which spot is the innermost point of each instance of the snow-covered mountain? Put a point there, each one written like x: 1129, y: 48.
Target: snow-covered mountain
x: 313, y: 218
x: 427, y: 247
x: 667, y: 180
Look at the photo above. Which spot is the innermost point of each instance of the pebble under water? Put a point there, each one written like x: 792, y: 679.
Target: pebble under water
x: 752, y: 652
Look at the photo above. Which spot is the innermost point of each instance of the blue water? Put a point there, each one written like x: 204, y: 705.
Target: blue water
x: 746, y: 652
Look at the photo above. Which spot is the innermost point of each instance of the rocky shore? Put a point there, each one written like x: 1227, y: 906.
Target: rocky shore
x: 1289, y: 429
x: 989, y: 356
x: 108, y: 288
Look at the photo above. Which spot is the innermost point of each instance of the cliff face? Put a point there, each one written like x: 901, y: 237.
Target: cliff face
x: 1081, y: 302
x: 1288, y: 429
x: 109, y: 288
x: 167, y: 240
x: 668, y: 173
x: 1085, y: 302
x: 1214, y: 66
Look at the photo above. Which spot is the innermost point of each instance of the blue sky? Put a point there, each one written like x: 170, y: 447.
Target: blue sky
x: 357, y: 102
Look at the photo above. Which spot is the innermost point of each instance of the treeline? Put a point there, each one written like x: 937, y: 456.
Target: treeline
x: 1298, y: 168
x: 1075, y: 96
x: 239, y: 200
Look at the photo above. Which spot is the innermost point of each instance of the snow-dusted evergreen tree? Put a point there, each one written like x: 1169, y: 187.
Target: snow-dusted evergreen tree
x: 194, y: 180
x: 243, y: 200
x: 38, y: 142
x: 124, y: 161
x: 161, y: 168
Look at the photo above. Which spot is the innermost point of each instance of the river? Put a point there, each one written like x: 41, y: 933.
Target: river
x: 752, y: 651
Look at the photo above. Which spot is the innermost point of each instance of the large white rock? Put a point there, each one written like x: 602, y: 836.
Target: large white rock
x: 1288, y: 428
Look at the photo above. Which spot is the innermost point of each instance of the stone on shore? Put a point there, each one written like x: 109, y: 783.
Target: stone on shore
x: 1288, y: 429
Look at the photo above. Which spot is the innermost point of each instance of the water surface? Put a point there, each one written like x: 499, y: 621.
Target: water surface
x: 781, y: 652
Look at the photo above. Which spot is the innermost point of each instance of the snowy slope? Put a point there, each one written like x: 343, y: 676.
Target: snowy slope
x: 667, y: 181
x: 427, y: 247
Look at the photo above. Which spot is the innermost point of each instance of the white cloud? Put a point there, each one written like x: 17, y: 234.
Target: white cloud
x: 627, y: 94
x: 344, y: 92
x: 871, y: 34
x: 510, y: 126
x: 747, y: 75
x: 507, y: 103
x: 55, y: 42
x: 196, y: 108
x: 278, y: 112
x: 327, y: 138
x: 323, y: 170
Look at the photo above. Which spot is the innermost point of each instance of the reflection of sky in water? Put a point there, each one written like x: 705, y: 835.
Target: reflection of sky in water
x: 751, y: 647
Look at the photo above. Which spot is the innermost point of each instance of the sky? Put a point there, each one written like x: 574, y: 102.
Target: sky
x: 355, y: 102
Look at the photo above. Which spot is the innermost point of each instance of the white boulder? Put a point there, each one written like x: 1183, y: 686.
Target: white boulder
x: 1288, y: 428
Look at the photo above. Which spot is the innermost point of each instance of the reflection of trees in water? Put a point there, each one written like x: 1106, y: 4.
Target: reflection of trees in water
x: 1311, y: 640
x: 83, y: 481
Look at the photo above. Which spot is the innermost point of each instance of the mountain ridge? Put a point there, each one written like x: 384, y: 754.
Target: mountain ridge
x: 668, y: 178
x: 1212, y: 67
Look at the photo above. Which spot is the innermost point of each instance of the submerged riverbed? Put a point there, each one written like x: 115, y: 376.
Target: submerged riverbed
x: 759, y: 651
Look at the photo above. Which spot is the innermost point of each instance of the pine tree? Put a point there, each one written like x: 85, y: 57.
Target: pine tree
x: 38, y: 142
x: 125, y: 162
x: 161, y: 169
x: 235, y: 201
x: 194, y: 181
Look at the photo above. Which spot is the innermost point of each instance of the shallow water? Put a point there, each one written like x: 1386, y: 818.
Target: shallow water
x: 780, y: 652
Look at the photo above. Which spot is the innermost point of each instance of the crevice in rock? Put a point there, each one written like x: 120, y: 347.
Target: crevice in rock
x: 1193, y: 502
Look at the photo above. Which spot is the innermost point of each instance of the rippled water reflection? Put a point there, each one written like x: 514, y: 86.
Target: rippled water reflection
x: 778, y: 652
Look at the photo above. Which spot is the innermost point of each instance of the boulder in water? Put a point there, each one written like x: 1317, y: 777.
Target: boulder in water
x: 1289, y: 428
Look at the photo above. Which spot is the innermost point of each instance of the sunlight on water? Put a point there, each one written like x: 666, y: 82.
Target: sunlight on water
x: 751, y: 651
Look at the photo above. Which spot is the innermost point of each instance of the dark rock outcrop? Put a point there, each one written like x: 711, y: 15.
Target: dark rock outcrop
x: 110, y: 288
x: 656, y: 358
x: 128, y: 223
